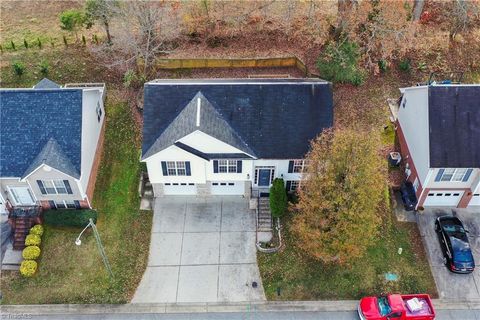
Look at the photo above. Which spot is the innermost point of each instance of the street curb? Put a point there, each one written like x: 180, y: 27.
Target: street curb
x: 241, y: 307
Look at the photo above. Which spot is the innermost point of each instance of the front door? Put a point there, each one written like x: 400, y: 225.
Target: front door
x: 264, y: 177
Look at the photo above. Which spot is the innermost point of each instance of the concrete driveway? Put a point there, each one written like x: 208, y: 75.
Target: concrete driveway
x: 450, y: 285
x: 202, y: 250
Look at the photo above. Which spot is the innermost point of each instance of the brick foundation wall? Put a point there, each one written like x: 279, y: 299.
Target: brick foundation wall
x: 96, y: 164
x: 467, y: 196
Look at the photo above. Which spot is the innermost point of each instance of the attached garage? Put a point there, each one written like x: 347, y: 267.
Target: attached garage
x: 184, y: 189
x: 227, y: 188
x: 443, y: 198
x: 475, y: 201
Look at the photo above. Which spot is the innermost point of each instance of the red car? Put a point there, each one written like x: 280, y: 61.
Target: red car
x: 397, y: 307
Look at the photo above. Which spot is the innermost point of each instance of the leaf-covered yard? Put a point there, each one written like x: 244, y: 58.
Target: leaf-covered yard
x: 291, y: 275
x: 76, y: 274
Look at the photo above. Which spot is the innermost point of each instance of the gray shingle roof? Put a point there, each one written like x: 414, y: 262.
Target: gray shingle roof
x: 46, y: 84
x: 53, y: 156
x: 29, y: 118
x: 268, y: 118
x: 454, y: 124
x: 211, y: 123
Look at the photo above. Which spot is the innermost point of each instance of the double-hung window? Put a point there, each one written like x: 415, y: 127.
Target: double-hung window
x: 298, y: 166
x: 293, y: 185
x: 454, y: 175
x: 227, y: 166
x: 54, y: 186
x: 176, y: 168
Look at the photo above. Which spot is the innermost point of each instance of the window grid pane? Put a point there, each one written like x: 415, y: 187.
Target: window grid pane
x: 447, y: 175
x: 232, y: 166
x: 297, y: 166
x: 60, y: 186
x: 459, y: 174
x: 49, y: 187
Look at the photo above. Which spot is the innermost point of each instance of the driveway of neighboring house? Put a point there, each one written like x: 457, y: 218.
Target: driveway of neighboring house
x: 202, y: 250
x: 450, y: 285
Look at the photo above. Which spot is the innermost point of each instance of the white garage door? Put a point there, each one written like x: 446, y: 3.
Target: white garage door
x: 443, y: 198
x: 179, y: 189
x: 475, y: 201
x: 228, y: 188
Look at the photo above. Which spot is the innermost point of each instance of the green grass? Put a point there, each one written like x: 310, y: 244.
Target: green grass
x: 71, y: 274
x: 300, y: 278
x: 73, y: 64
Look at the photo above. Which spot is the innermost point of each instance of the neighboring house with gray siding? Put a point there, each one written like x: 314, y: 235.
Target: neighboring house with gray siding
x: 50, y: 144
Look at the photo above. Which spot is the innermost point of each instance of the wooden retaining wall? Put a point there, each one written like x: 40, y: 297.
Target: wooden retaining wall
x: 171, y: 64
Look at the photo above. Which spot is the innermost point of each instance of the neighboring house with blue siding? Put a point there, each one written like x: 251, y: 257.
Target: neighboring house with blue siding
x: 231, y: 136
x: 50, y: 144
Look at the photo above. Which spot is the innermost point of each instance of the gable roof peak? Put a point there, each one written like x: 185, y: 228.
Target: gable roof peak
x: 53, y: 156
x: 46, y: 84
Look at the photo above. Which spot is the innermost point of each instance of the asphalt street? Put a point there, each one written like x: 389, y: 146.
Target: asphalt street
x: 248, y: 315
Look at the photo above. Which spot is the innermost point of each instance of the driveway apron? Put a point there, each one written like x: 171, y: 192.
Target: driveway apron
x: 201, y: 250
x: 451, y: 285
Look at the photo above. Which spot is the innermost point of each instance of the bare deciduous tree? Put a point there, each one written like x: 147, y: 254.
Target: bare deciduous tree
x: 142, y: 31
x: 417, y: 9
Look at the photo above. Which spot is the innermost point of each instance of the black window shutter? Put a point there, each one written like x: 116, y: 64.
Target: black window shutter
x: 215, y: 166
x: 42, y: 188
x: 77, y: 204
x: 289, y: 185
x: 164, y: 168
x: 187, y: 168
x: 239, y: 166
x: 67, y: 186
x: 52, y: 204
x: 467, y: 175
x: 290, y: 166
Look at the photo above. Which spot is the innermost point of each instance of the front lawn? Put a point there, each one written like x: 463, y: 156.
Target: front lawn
x: 291, y: 275
x: 72, y: 274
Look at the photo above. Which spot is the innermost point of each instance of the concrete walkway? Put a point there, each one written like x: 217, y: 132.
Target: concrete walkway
x: 202, y: 250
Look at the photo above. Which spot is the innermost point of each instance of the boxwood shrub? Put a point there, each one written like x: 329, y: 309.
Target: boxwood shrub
x: 31, y: 253
x: 37, y: 229
x: 28, y: 268
x: 69, y: 217
x: 33, y: 240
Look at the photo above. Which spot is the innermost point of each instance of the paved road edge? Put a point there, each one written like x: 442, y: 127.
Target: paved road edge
x: 269, y: 306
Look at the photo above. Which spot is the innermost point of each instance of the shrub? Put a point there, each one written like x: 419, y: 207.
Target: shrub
x: 33, y: 240
x: 69, y: 217
x: 338, y: 62
x: 18, y: 68
x: 31, y: 253
x: 37, y: 229
x: 278, y: 198
x: 44, y: 65
x: 382, y: 65
x: 404, y: 65
x: 28, y: 268
x: 129, y: 78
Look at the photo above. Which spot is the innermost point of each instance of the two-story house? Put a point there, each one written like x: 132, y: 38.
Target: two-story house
x: 50, y: 144
x: 231, y: 136
x: 438, y: 128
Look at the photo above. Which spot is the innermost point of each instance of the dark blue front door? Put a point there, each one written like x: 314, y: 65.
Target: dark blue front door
x: 264, y: 177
